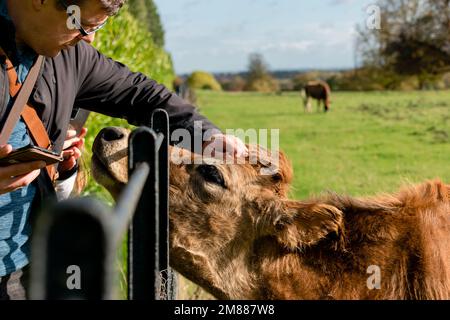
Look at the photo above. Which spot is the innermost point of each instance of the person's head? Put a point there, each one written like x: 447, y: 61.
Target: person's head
x: 46, y: 27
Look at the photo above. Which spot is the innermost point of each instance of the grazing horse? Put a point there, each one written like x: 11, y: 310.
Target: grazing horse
x: 318, y: 90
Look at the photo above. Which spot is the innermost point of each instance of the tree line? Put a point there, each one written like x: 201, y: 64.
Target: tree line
x: 413, y: 41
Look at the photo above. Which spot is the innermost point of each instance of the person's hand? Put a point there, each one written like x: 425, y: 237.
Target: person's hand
x: 72, y: 149
x: 226, y: 145
x: 17, y: 176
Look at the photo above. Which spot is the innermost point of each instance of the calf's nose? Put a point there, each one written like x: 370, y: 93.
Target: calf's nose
x: 111, y: 134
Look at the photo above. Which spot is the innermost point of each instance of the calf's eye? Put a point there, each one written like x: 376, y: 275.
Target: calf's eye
x: 211, y: 174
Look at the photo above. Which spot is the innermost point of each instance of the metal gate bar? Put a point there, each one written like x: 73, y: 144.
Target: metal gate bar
x: 143, y: 268
x: 84, y: 235
x: 72, y: 253
x: 160, y: 124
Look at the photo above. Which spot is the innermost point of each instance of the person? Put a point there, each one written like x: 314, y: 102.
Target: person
x: 74, y: 75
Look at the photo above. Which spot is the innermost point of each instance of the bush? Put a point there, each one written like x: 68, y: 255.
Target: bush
x: 266, y: 84
x: 368, y: 79
x: 237, y: 83
x: 126, y: 40
x: 204, y: 81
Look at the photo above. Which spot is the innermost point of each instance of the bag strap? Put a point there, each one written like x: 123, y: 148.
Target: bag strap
x: 20, y: 107
x: 37, y: 129
x: 21, y: 93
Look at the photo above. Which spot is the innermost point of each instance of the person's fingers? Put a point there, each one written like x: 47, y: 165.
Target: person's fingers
x: 71, y: 152
x: 70, y: 159
x: 67, y: 165
x: 20, y: 169
x: 218, y: 144
x: 5, y: 150
x: 222, y: 156
x: 231, y: 145
x: 71, y: 133
x: 24, y: 180
x: 241, y: 148
x: 18, y: 182
x: 71, y: 155
x: 66, y: 154
x: 73, y: 139
x: 79, y: 144
x: 83, y: 133
x: 76, y: 153
x: 70, y: 142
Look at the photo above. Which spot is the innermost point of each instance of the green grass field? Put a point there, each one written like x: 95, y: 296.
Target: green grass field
x: 368, y: 143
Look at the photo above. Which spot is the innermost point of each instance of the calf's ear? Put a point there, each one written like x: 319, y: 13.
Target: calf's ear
x: 297, y: 225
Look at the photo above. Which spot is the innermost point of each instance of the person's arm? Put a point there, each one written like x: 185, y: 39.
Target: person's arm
x: 109, y: 87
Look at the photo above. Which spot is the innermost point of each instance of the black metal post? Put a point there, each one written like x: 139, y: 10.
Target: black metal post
x: 128, y: 201
x: 72, y: 252
x: 143, y: 267
x: 160, y: 124
x: 82, y: 235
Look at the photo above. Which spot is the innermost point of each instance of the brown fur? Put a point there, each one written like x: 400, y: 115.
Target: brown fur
x: 247, y: 240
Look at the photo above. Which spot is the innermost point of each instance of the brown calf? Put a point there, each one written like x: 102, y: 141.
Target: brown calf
x: 235, y: 233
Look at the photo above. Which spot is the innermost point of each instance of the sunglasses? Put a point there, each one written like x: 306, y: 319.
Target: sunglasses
x: 77, y: 23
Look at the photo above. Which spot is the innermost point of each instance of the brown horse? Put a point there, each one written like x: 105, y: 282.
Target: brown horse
x: 318, y: 90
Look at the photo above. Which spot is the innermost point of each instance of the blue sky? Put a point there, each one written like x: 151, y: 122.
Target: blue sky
x: 219, y: 35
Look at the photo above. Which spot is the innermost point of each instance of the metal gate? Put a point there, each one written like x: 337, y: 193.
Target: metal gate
x: 75, y: 242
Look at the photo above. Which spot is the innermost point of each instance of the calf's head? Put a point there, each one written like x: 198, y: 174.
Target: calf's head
x: 220, y: 213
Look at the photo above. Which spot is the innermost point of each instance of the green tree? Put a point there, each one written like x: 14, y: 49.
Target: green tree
x: 147, y: 12
x: 414, y: 39
x: 259, y: 78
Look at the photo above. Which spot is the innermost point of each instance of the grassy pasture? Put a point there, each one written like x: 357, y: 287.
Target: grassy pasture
x: 370, y: 142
